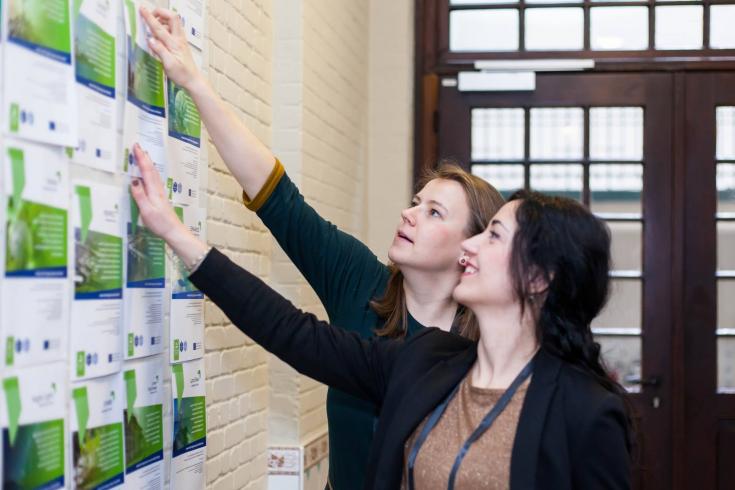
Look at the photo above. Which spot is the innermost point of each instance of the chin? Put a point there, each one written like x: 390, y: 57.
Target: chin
x: 460, y: 295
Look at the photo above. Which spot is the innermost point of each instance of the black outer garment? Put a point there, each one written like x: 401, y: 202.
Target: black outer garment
x: 345, y: 275
x: 571, y: 432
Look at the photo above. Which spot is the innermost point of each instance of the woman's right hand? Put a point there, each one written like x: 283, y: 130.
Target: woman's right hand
x: 168, y: 42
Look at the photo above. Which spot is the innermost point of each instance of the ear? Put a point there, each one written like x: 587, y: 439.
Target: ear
x: 538, y: 283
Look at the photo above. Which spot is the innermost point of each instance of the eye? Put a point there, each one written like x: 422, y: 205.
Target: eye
x: 494, y: 235
x: 435, y: 213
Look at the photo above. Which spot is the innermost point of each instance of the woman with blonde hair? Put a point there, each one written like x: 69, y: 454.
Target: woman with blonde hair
x: 358, y: 292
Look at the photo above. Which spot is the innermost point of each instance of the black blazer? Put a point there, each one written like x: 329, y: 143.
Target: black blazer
x: 571, y: 433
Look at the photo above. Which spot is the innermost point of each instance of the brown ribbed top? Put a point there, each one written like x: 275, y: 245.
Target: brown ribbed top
x: 487, y: 464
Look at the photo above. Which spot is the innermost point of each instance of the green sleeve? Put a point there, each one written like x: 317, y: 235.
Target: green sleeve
x: 345, y: 274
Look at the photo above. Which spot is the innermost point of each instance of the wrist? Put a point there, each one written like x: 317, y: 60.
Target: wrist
x: 197, y: 86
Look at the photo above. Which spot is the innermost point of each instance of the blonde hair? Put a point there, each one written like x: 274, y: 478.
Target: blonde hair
x: 484, y: 201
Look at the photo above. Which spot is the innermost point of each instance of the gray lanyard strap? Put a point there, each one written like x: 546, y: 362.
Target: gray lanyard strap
x: 485, y: 424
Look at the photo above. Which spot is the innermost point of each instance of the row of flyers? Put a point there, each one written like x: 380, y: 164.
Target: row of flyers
x: 76, y: 73
x: 114, y: 432
x: 108, y: 306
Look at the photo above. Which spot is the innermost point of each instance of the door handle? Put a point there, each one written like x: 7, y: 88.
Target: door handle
x: 652, y: 381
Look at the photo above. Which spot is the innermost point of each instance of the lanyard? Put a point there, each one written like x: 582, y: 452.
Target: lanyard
x: 485, y: 424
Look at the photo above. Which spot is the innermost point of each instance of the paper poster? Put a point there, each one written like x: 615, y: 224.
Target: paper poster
x: 96, y: 436
x: 95, y: 53
x: 144, y: 423
x: 187, y: 302
x: 34, y: 288
x: 40, y: 101
x: 96, y: 339
x: 190, y: 425
x: 145, y: 289
x: 32, y: 418
x: 192, y: 18
x: 184, y: 145
x: 145, y: 109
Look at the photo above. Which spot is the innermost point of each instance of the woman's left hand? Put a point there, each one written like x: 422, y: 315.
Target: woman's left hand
x: 155, y: 210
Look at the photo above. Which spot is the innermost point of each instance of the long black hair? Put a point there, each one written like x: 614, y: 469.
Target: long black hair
x: 563, y: 245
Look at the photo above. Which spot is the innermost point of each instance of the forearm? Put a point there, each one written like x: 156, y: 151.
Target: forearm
x: 249, y: 160
x: 186, y: 245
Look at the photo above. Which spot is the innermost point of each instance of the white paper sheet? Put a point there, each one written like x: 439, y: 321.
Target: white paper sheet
x: 34, y: 288
x: 97, y: 226
x: 144, y: 423
x: 189, y: 451
x: 40, y: 101
x: 96, y: 66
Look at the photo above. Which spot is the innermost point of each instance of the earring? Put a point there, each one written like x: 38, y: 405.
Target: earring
x: 463, y: 260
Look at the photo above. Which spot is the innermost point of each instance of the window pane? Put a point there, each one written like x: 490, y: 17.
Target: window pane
x: 498, y: 134
x: 725, y: 303
x: 616, y: 133
x: 616, y: 188
x: 619, y: 28
x: 721, y: 21
x: 559, y: 180
x: 726, y: 363
x: 506, y: 178
x: 626, y: 247
x: 725, y: 133
x: 623, y: 309
x: 622, y: 357
x: 726, y: 245
x: 483, y: 30
x: 554, y: 29
x: 726, y: 188
x: 557, y: 134
x: 679, y: 27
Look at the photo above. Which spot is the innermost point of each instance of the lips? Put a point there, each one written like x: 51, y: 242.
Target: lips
x: 469, y: 270
x: 404, y: 237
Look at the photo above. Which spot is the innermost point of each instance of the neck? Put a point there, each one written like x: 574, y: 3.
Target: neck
x: 429, y: 297
x: 506, y: 345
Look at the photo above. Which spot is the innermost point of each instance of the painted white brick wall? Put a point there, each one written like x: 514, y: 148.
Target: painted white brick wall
x: 239, y: 51
x: 301, y: 74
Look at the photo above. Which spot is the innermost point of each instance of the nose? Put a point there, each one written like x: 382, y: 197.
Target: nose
x: 469, y: 246
x: 408, y: 216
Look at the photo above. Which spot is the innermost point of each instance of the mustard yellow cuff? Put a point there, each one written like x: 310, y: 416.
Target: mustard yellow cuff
x: 267, y: 189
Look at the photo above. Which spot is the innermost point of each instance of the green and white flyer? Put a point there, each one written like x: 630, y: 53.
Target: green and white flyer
x: 33, y: 419
x: 96, y: 436
x: 145, y: 108
x: 187, y: 302
x: 145, y: 289
x: 96, y: 313
x: 143, y: 421
x: 184, y: 145
x: 40, y: 101
x: 94, y: 45
x: 34, y: 292
x: 189, y: 452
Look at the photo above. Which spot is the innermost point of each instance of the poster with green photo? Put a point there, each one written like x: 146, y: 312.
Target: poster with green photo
x: 33, y: 426
x: 143, y: 421
x: 189, y: 444
x: 96, y: 436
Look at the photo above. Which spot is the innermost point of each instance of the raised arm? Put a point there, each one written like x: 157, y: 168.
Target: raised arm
x: 249, y: 160
x: 328, y: 354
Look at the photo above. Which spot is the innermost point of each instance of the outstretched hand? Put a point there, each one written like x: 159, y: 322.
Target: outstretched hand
x: 168, y: 42
x: 148, y: 191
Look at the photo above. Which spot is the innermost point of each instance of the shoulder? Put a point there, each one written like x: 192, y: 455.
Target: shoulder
x: 435, y: 342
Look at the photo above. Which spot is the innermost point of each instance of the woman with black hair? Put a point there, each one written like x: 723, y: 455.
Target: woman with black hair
x: 529, y: 405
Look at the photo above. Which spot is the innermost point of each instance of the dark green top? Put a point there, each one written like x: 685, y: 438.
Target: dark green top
x: 345, y: 275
